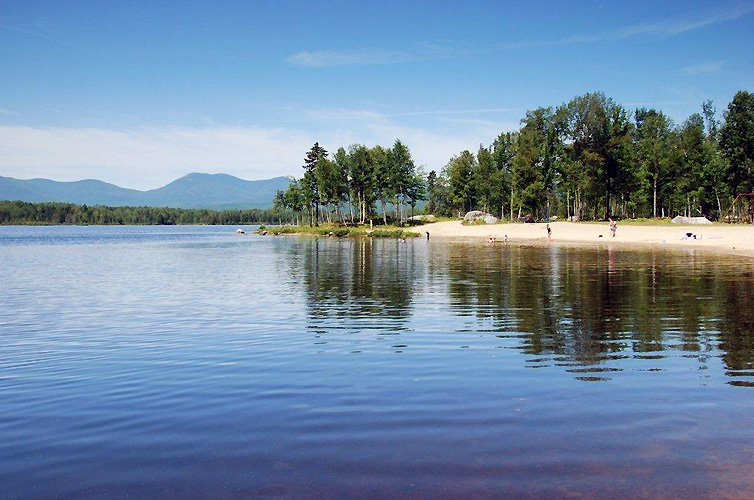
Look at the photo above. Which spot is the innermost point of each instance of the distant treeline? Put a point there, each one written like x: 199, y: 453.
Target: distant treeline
x: 588, y: 158
x: 20, y: 212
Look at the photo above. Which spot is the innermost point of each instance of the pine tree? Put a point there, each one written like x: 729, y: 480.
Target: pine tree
x: 309, y: 184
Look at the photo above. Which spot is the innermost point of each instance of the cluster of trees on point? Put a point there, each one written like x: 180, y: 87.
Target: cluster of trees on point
x: 589, y: 158
x: 20, y: 212
x: 356, y: 180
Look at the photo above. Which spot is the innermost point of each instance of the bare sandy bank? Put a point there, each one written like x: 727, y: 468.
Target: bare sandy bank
x: 723, y: 239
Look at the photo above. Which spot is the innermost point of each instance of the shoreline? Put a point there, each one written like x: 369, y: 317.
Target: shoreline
x: 720, y: 239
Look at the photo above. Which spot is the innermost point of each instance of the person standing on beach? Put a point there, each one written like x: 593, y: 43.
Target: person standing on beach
x: 613, y: 227
x: 549, y: 232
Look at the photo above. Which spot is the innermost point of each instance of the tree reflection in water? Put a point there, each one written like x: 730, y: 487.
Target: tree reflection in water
x: 359, y: 284
x: 580, y: 308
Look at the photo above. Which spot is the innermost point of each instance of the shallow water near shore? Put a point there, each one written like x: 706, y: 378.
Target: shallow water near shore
x: 190, y: 362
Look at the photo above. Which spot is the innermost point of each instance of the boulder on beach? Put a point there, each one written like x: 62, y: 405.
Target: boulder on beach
x: 478, y: 214
x: 690, y: 220
x: 424, y: 218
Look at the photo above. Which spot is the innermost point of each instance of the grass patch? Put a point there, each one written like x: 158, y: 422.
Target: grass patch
x: 332, y: 230
x: 392, y: 233
x: 277, y: 230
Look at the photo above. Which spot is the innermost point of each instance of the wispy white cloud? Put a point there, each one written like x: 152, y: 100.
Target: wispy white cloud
x: 25, y: 31
x: 659, y: 29
x: 454, y: 112
x: 327, y: 114
x: 423, y: 51
x: 419, y: 51
x: 677, y: 26
x: 368, y: 114
x: 322, y: 58
x: 708, y: 67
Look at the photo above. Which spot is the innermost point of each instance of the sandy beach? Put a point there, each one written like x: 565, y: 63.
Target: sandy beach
x: 723, y: 239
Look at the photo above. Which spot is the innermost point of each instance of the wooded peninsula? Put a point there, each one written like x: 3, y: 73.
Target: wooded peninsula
x: 588, y: 159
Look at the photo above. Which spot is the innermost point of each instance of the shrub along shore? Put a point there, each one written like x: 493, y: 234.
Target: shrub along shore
x: 336, y: 231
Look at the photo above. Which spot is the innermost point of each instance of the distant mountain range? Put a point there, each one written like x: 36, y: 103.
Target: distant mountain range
x: 214, y: 191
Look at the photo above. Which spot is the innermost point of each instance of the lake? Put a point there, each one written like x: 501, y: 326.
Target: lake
x: 190, y: 362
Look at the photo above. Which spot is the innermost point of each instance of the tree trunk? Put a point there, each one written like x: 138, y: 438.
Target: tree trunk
x: 719, y: 205
x: 399, y: 204
x: 654, y: 199
x: 511, y: 202
x: 688, y: 206
x: 358, y: 197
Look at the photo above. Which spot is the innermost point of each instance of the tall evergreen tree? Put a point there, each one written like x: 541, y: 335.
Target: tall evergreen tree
x: 416, y: 189
x: 329, y: 182
x: 460, y: 171
x: 483, y: 177
x: 693, y: 184
x: 535, y: 163
x: 503, y: 152
x: 309, y: 185
x: 402, y: 173
x: 737, y: 142
x: 383, y: 186
x: 654, y: 131
x: 362, y: 178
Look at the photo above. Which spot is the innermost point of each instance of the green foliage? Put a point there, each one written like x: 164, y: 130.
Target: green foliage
x: 392, y: 233
x: 277, y: 230
x: 654, y: 138
x: 597, y: 138
x: 587, y: 159
x: 737, y: 142
x: 361, y: 179
x: 330, y: 230
x: 340, y: 232
x: 461, y: 188
x: 309, y: 183
x: 437, y: 196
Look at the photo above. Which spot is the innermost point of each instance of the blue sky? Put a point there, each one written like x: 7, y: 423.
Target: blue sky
x: 140, y: 93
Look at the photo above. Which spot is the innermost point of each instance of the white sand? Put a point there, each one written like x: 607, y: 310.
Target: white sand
x: 724, y: 239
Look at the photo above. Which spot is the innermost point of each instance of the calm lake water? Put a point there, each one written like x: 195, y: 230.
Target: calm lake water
x: 188, y: 362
